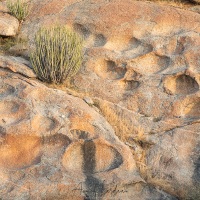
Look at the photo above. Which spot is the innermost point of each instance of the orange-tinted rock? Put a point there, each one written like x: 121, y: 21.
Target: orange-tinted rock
x: 19, y: 151
x: 49, y: 137
x: 141, y: 68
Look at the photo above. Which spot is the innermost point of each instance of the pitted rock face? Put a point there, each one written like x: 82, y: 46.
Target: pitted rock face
x: 56, y: 139
x: 141, y: 69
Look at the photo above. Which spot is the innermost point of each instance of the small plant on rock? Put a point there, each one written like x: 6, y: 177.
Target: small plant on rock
x: 58, y: 54
x: 18, y: 8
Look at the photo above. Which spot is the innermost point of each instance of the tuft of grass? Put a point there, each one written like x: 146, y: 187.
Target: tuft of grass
x: 18, y: 8
x: 58, y: 54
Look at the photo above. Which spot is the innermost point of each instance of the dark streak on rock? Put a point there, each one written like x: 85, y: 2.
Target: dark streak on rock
x: 89, y: 164
x: 94, y: 187
x: 197, y: 170
x: 118, y: 160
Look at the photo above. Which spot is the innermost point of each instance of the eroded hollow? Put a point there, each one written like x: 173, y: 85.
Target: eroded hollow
x: 108, y: 69
x: 99, y: 40
x: 150, y: 63
x: 90, y: 157
x: 20, y: 151
x: 182, y: 84
x: 44, y: 124
x: 122, y: 43
x: 192, y: 109
x: 189, y: 107
x: 82, y: 30
x: 129, y: 85
x: 12, y: 112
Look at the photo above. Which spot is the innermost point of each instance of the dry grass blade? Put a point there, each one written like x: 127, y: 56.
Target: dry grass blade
x: 18, y: 8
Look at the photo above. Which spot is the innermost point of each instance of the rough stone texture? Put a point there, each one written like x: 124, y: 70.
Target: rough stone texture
x: 142, y: 70
x: 17, y: 64
x: 196, y: 1
x: 195, y: 9
x: 9, y: 25
x: 88, y: 100
x: 55, y: 146
x: 3, y: 7
x: 49, y: 139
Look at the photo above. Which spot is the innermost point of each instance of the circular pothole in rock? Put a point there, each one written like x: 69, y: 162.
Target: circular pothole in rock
x: 90, y: 157
x: 12, y: 111
x: 181, y: 84
x: 189, y: 108
x: 99, y: 40
x: 150, y: 63
x: 108, y: 69
x: 122, y: 43
x: 19, y: 151
x: 192, y: 109
x: 129, y: 85
x: 43, y: 124
x: 82, y: 30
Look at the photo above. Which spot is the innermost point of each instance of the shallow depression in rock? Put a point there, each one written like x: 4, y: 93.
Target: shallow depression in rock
x: 181, y: 84
x: 20, y: 151
x: 90, y: 157
x: 108, y: 69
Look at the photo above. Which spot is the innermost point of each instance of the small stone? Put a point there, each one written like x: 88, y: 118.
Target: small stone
x: 9, y: 25
x: 88, y: 100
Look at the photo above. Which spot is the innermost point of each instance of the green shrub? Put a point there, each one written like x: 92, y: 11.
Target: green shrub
x: 58, y: 54
x: 18, y: 8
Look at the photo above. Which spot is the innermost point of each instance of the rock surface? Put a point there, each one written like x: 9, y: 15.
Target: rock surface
x: 55, y: 146
x: 18, y: 65
x: 142, y: 71
x: 9, y: 25
x: 195, y: 9
x: 196, y: 1
x: 3, y: 7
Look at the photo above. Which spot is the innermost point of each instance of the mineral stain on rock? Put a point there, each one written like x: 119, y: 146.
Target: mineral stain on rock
x: 94, y: 187
x: 117, y: 161
x: 197, y: 170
